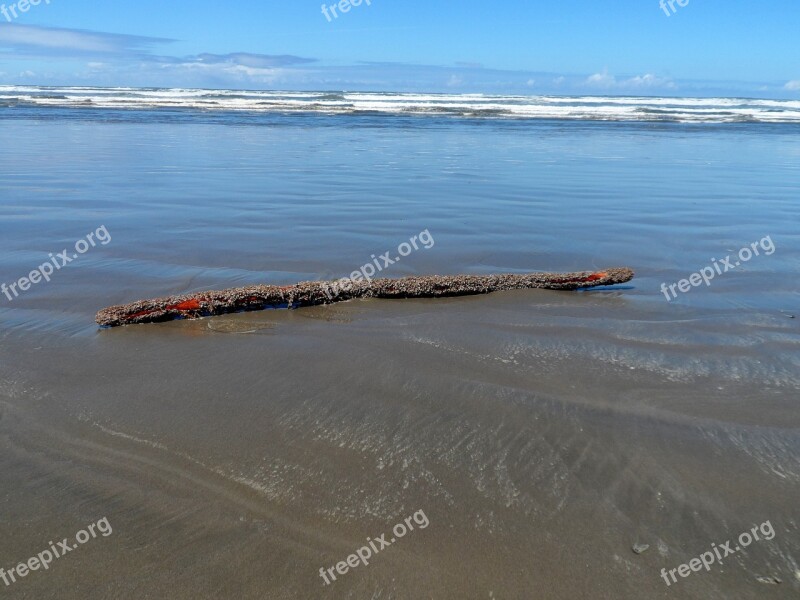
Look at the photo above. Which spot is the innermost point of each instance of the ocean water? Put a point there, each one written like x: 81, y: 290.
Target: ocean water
x: 217, y: 198
x: 562, y: 427
x: 594, y: 108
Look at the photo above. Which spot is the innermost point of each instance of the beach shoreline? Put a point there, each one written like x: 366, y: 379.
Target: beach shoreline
x: 564, y: 444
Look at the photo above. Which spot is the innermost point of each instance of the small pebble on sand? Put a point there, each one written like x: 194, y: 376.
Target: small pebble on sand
x: 639, y: 548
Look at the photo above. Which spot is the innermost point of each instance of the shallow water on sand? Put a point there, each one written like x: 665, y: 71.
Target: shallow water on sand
x: 542, y: 433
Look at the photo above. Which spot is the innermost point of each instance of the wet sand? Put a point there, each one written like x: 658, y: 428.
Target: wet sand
x: 308, y: 431
x: 543, y: 433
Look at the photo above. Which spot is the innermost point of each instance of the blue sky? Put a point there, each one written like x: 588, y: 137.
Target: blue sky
x: 707, y: 47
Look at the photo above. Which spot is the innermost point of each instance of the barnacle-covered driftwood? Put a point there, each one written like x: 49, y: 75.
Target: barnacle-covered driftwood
x: 310, y: 293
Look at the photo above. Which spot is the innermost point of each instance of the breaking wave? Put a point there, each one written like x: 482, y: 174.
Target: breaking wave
x: 596, y: 108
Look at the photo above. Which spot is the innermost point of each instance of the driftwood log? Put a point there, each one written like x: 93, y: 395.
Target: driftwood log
x: 311, y: 293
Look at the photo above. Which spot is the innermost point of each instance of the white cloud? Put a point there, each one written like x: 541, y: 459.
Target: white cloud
x: 649, y: 80
x: 607, y: 80
x: 229, y: 72
x: 117, y: 59
x: 793, y: 86
x: 111, y: 55
x: 256, y: 61
x: 602, y: 79
x: 238, y: 67
x: 49, y: 40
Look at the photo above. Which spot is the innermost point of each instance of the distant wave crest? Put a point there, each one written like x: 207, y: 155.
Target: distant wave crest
x: 598, y: 108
